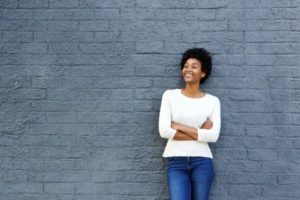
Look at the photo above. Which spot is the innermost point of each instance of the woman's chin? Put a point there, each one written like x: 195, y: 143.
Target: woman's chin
x: 189, y: 80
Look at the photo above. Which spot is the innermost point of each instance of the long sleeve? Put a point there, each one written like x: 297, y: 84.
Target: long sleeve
x: 165, y: 118
x: 212, y: 135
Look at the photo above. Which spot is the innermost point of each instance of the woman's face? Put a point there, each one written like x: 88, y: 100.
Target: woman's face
x: 192, y: 71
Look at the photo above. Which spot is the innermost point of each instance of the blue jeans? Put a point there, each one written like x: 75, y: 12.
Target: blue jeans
x: 190, y: 178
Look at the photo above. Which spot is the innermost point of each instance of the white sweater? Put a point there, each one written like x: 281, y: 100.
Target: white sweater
x: 192, y: 112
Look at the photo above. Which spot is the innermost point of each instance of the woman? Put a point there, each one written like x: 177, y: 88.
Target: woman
x: 190, y: 118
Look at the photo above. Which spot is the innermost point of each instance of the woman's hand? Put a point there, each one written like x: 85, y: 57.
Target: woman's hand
x: 207, y: 124
x: 174, y: 125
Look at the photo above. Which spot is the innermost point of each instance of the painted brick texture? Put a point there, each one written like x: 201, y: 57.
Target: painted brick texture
x: 81, y: 83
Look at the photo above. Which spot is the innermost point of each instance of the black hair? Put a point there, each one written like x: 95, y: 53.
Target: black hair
x: 203, y: 56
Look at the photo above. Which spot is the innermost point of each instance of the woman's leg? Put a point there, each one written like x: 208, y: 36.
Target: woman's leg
x: 179, y: 183
x: 202, y: 177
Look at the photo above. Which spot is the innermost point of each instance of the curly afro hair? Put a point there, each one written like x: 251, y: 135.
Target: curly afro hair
x: 203, y: 56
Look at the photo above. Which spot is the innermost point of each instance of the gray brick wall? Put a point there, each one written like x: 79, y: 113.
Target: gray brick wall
x: 81, y: 83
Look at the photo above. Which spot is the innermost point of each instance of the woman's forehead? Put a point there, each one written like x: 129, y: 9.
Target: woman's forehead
x: 193, y: 60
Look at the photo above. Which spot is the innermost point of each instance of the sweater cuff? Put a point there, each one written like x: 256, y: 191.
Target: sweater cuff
x: 200, y: 134
x: 172, y: 133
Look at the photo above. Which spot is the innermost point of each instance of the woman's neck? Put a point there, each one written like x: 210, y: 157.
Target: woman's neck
x: 192, y: 90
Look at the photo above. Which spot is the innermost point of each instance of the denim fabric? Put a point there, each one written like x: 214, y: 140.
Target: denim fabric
x: 190, y: 178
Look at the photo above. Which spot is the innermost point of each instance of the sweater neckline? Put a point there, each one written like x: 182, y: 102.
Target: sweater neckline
x: 191, y: 98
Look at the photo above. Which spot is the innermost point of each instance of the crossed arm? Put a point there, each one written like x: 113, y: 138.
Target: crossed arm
x: 184, y: 132
x: 209, y: 131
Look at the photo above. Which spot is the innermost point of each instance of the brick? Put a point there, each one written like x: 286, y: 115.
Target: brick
x: 167, y: 4
x: 64, y: 178
x: 269, y: 3
x: 99, y: 25
x: 148, y: 93
x: 106, y: 3
x: 262, y: 155
x: 288, y: 179
x: 227, y: 13
x: 22, y: 14
x: 225, y: 60
x: 248, y: 191
x: 168, y: 14
x: 149, y: 36
x: 93, y: 83
x: 9, y: 4
x: 62, y: 26
x: 93, y: 117
x: 268, y: 130
x: 220, y: 25
x: 33, y: 4
x: 90, y: 94
x: 63, y: 36
x: 289, y: 60
x: 260, y: 25
x: 14, y: 176
x: 17, y: 36
x: 280, y: 191
x: 124, y: 106
x: 247, y: 95
x: 143, y: 105
x: 63, y: 14
x: 63, y: 48
x: 289, y: 155
x: 255, y: 118
x: 246, y: 142
x: 107, y: 36
x: 296, y: 143
x: 64, y: 3
x: 269, y: 36
x: 16, y: 82
x: 23, y: 25
x: 180, y: 4
x: 21, y: 94
x: 18, y: 106
x: 7, y: 188
x: 232, y: 130
x: 107, y: 13
x: 260, y: 4
x: 147, y: 71
x: 295, y: 26
x: 251, y: 178
x: 158, y: 59
x: 143, y: 25
x: 99, y: 71
x: 23, y: 48
x: 218, y: 36
x: 59, y: 188
x: 149, y: 47
x: 90, y: 59
x: 108, y: 48
x: 232, y: 154
x: 271, y: 13
x: 271, y: 48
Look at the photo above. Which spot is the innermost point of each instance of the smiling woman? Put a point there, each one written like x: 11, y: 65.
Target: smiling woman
x: 190, y: 118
